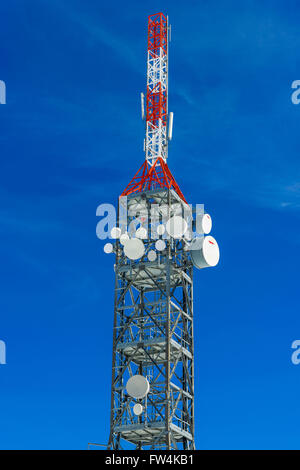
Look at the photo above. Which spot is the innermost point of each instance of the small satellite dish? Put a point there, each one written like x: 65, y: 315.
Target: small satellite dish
x: 137, y: 386
x: 108, y: 248
x: 115, y: 232
x: 123, y: 238
x: 176, y: 226
x: 203, y: 223
x: 141, y: 233
x: 138, y: 409
x: 204, y: 252
x: 152, y: 255
x: 160, y: 229
x: 160, y: 245
x: 134, y: 248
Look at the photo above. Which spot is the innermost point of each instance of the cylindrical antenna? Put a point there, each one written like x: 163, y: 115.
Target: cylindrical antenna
x: 142, y: 106
x: 170, y: 131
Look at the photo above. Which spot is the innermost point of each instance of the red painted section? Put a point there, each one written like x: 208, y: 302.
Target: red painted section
x: 157, y: 99
x: 152, y: 177
x: 158, y: 175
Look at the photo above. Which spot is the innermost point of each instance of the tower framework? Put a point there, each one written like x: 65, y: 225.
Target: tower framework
x: 153, y: 336
x: 153, y: 303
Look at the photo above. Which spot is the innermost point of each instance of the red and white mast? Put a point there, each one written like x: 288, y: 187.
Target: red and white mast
x: 154, y: 172
x: 156, y: 142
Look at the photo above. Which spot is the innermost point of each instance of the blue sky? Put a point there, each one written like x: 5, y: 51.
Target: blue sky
x: 71, y: 138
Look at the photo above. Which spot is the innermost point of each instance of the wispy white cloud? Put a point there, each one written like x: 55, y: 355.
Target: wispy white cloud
x: 227, y: 119
x: 93, y: 29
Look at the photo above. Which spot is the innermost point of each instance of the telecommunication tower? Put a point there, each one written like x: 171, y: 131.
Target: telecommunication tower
x: 152, y: 388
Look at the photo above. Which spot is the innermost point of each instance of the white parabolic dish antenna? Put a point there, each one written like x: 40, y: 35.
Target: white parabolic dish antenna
x: 134, y: 248
x: 123, y: 238
x: 137, y: 386
x: 152, y: 255
x: 108, y: 248
x: 176, y: 226
x: 205, y: 252
x: 160, y: 229
x: 141, y: 233
x: 138, y: 409
x: 160, y: 245
x: 204, y: 223
x: 115, y: 232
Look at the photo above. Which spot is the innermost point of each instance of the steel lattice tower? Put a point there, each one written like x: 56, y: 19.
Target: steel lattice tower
x: 153, y: 306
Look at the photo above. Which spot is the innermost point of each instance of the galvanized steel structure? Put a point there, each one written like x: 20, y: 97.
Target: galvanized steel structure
x: 153, y: 337
x: 153, y: 306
